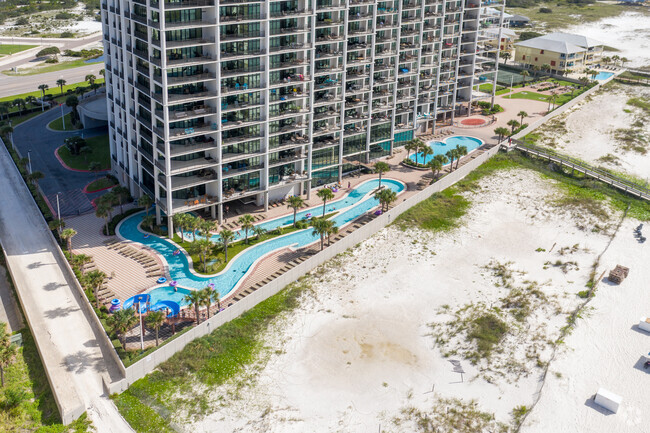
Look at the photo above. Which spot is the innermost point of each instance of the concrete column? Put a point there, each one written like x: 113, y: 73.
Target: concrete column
x: 266, y: 201
x: 308, y: 189
x: 158, y: 220
x: 213, y: 211
x: 170, y: 227
x: 220, y: 213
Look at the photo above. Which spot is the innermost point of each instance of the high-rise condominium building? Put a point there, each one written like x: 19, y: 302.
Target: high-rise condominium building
x: 214, y: 103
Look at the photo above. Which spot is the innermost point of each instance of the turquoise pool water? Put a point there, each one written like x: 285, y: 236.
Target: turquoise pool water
x: 603, y: 75
x: 355, y: 204
x: 167, y: 293
x: 444, y: 146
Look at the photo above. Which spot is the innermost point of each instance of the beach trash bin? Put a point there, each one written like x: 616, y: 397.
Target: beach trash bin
x: 608, y: 400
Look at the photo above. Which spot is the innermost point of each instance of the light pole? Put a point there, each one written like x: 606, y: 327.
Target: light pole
x: 29, y: 160
x: 58, y: 208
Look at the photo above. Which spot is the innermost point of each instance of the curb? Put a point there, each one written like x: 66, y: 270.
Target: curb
x: 85, y: 188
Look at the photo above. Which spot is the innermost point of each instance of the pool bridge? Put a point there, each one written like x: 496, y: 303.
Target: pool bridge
x: 629, y: 187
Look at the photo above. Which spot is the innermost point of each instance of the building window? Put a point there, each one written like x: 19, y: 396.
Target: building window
x: 523, y: 57
x: 552, y: 62
x: 535, y: 58
x: 541, y: 51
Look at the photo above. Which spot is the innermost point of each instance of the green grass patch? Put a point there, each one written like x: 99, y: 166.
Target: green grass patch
x: 640, y: 103
x: 443, y: 210
x: 49, y: 68
x: 566, y: 14
x: 212, y: 360
x: 101, y: 153
x: 57, y: 124
x: 487, y: 331
x: 7, y: 49
x: 27, y: 401
x: 528, y: 95
x: 54, y: 91
x: 101, y: 183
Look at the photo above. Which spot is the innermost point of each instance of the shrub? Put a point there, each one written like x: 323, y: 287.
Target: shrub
x: 49, y: 51
x: 545, y: 10
x: 67, y: 35
x: 524, y: 36
x: 22, y: 21
x: 63, y: 16
x: 13, y: 397
x: 52, y: 60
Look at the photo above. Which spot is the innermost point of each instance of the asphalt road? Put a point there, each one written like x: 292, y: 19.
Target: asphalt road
x: 34, y: 136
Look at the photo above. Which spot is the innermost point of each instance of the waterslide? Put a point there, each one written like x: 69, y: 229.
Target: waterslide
x: 350, y: 207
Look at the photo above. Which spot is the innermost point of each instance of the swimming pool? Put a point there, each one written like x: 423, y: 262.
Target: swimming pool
x: 353, y: 205
x: 442, y: 147
x: 167, y: 293
x: 603, y: 75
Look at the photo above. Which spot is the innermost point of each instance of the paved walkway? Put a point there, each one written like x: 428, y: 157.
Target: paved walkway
x: 69, y: 346
x: 33, y: 135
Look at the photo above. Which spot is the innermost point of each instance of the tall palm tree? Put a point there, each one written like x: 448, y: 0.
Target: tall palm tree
x: 437, y: 163
x: 410, y: 146
x: 4, y: 108
x: 156, y: 319
x: 607, y: 60
x: 202, y: 247
x: 206, y: 227
x: 72, y: 101
x: 20, y: 103
x: 546, y: 67
x: 616, y: 58
x: 325, y: 194
x: 460, y: 152
x: 225, y: 238
x: 501, y: 132
x: 8, y: 351
x: 120, y: 192
x: 624, y: 60
x: 425, y: 151
x: 102, y: 72
x: 513, y: 124
x: 536, y: 69
x: 57, y: 224
x: 206, y: 295
x: 333, y: 229
x: 145, y: 201
x: 95, y: 279
x: 246, y: 223
x: 148, y: 222
x: 81, y: 260
x: 295, y: 202
x: 178, y: 220
x: 102, y: 211
x: 381, y: 167
x: 61, y: 82
x: 216, y: 299
x: 194, y: 297
x: 386, y: 197
x: 451, y: 155
x: 258, y: 232
x: 193, y: 224
x: 321, y: 227
x: 90, y: 78
x: 43, y: 88
x: 522, y: 114
x: 121, y: 322
x: 67, y: 236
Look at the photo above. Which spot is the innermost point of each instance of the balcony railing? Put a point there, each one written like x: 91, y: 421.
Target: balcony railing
x: 198, y: 59
x: 188, y: 4
x: 190, y: 42
x: 191, y: 23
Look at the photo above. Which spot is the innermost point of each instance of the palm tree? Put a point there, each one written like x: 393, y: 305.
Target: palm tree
x: 120, y: 192
x: 67, y: 236
x: 460, y: 152
x: 145, y: 201
x: 410, y: 146
x: 90, y: 78
x: 194, y: 297
x: 102, y: 72
x: 72, y: 101
x: 8, y: 351
x: 206, y: 227
x: 295, y: 202
x: 95, y: 167
x: 34, y: 177
x: 505, y: 55
x: 425, y: 151
x: 216, y: 299
x: 386, y: 197
x: 616, y: 58
x: 156, y: 319
x: 258, y: 231
x: 20, y: 103
x: 121, y: 322
x: 226, y: 237
x: 546, y: 67
x: 607, y: 60
x: 60, y: 82
x: 522, y: 114
x: 624, y: 60
x: 179, y: 222
x: 501, y: 132
x: 246, y: 223
x: 193, y: 224
x: 321, y: 227
x: 102, y: 211
x: 436, y: 165
x: 536, y: 69
x: 451, y: 155
x: 95, y: 279
x: 148, y: 222
x: 43, y: 88
x: 325, y: 194
x: 332, y: 229
x: 57, y: 224
x: 81, y: 260
x: 4, y: 108
x: 206, y: 295
x: 202, y: 247
x: 419, y: 146
x: 513, y: 124
x: 381, y: 167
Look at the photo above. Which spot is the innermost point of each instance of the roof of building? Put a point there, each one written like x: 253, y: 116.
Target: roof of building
x: 504, y: 32
x: 579, y: 40
x: 519, y: 18
x: 495, y: 12
x: 541, y: 43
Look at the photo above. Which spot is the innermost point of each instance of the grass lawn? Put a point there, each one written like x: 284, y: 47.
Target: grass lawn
x: 54, y: 91
x: 235, y: 248
x: 34, y: 408
x: 6, y: 49
x: 101, y: 183
x: 528, y: 95
x: 49, y: 68
x: 101, y: 153
x: 15, y: 121
x: 57, y: 124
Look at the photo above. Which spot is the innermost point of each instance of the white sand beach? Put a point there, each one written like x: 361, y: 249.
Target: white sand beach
x: 360, y: 354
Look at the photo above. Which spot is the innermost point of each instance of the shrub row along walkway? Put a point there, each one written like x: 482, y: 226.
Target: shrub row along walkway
x: 69, y: 346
